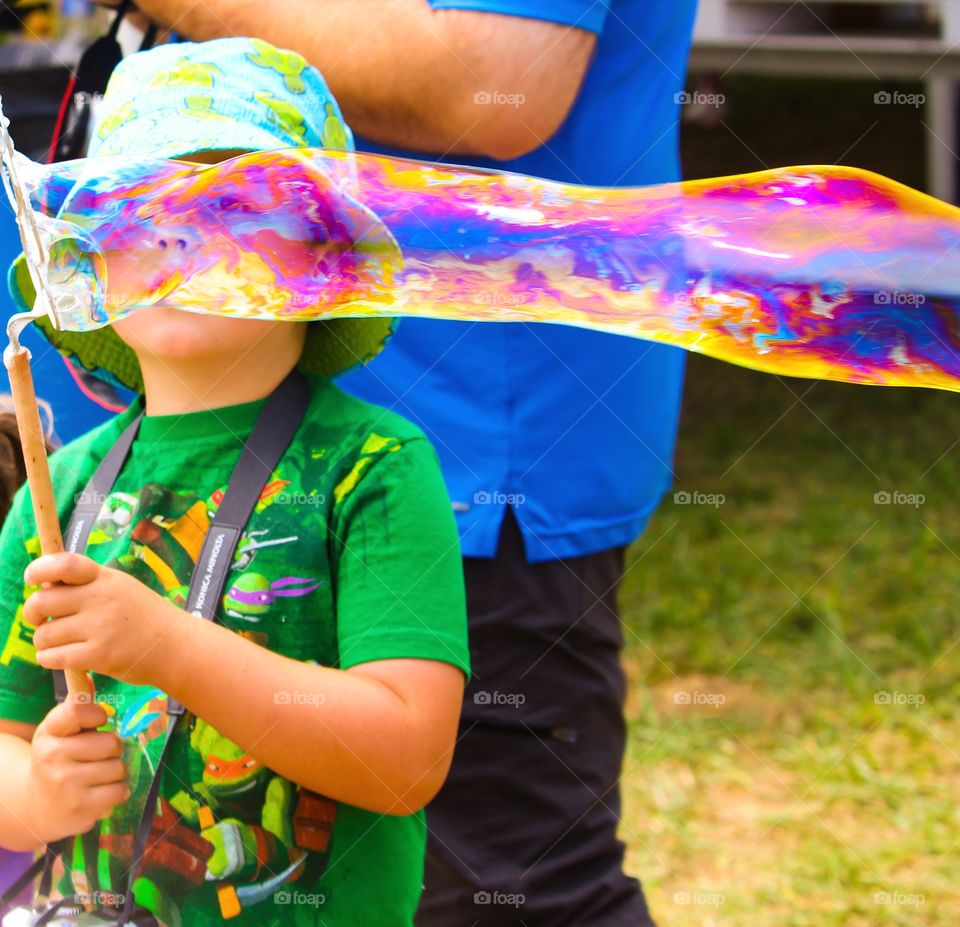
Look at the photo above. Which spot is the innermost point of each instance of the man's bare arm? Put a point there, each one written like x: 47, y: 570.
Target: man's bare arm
x: 437, y: 81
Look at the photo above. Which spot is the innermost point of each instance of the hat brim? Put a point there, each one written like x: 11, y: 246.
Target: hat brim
x: 178, y: 134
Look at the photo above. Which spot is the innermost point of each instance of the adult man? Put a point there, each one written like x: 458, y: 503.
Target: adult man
x: 556, y: 443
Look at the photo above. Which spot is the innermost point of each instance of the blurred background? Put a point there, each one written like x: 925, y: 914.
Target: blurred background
x: 793, y: 619
x: 792, y: 633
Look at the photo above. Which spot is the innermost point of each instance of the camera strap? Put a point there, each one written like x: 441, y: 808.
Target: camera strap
x: 271, y: 436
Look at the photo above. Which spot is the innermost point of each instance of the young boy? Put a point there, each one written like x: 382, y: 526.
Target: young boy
x: 322, y: 703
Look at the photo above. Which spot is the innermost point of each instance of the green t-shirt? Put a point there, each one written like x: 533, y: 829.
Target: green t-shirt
x: 351, y: 555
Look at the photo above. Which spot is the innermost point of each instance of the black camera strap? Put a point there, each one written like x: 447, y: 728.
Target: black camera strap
x: 271, y: 436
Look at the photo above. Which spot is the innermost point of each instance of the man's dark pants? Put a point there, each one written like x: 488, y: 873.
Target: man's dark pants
x: 524, y: 831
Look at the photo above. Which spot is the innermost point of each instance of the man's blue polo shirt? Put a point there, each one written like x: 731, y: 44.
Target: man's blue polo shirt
x: 574, y: 429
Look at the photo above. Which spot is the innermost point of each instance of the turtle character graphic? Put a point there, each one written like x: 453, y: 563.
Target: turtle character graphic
x: 165, y: 544
x: 250, y: 595
x: 289, y: 65
x: 176, y: 857
x: 260, y: 825
x: 287, y: 116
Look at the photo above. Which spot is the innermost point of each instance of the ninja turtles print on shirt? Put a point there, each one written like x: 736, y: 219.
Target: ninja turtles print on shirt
x: 326, y: 571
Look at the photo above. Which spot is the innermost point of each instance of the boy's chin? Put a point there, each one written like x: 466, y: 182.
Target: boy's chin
x: 179, y: 335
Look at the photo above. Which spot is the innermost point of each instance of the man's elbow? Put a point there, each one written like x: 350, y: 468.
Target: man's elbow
x: 505, y: 126
x: 510, y: 80
x: 513, y: 140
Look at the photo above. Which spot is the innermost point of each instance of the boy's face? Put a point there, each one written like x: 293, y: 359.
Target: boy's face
x: 177, y: 335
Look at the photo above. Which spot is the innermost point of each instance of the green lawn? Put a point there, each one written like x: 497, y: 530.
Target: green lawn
x: 794, y: 757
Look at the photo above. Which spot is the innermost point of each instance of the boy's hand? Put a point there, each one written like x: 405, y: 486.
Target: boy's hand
x: 105, y: 621
x: 77, y: 776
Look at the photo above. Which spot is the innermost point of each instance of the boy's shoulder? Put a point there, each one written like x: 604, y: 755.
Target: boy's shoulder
x: 79, y: 457
x: 355, y: 419
x: 353, y: 427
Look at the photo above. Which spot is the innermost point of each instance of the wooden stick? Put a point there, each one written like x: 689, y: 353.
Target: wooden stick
x: 38, y: 474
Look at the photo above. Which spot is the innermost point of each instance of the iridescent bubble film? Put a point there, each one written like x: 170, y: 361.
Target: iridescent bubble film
x: 827, y: 272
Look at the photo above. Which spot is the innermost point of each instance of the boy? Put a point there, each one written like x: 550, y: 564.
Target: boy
x: 322, y: 704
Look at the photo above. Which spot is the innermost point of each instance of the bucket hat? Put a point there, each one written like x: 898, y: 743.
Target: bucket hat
x: 234, y: 94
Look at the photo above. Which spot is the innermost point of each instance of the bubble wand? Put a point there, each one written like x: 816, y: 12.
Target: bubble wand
x: 16, y: 358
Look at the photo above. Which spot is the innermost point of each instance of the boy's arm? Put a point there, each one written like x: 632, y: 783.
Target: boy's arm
x: 17, y: 830
x: 377, y: 734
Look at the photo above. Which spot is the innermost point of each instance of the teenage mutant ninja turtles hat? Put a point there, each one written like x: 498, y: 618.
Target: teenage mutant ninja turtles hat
x: 228, y: 95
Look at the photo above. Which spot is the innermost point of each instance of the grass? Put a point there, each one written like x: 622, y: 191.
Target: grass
x: 794, y: 758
